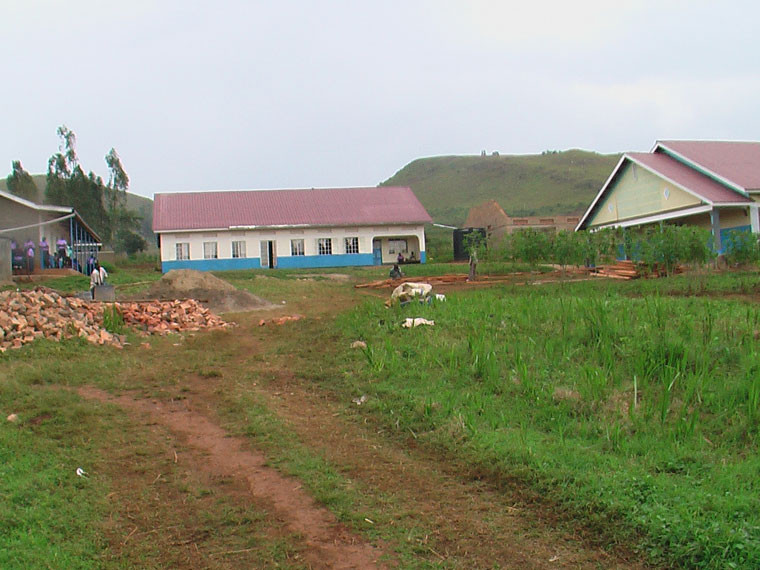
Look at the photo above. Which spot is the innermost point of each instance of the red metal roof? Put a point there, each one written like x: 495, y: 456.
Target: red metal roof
x: 736, y: 161
x: 269, y: 208
x: 699, y: 184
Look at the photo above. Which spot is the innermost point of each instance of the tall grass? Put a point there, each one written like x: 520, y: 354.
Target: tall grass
x: 638, y: 413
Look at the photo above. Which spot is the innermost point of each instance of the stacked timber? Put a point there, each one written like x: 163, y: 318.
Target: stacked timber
x: 620, y: 270
x: 26, y: 316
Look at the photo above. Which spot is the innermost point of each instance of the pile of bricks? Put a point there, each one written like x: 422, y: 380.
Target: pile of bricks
x: 26, y: 316
x: 162, y: 317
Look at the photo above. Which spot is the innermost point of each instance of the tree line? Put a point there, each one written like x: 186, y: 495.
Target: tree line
x: 103, y: 205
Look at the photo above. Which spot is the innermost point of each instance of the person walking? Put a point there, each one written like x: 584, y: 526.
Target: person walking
x: 96, y: 279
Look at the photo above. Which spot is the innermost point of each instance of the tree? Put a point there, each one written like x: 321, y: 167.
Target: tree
x: 21, y: 183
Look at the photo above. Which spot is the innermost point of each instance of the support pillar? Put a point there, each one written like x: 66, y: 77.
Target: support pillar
x: 715, y: 226
x: 754, y: 219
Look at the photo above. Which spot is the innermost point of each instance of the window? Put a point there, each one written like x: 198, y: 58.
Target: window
x: 238, y: 249
x: 324, y: 246
x: 352, y: 245
x: 396, y: 246
x: 209, y: 250
x: 183, y: 251
x: 296, y: 247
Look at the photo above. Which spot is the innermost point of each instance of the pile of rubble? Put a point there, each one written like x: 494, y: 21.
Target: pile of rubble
x: 26, y: 316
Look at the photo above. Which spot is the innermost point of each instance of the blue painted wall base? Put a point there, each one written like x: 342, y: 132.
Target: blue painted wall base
x: 289, y: 262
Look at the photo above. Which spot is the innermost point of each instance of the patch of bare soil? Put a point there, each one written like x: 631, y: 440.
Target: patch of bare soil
x: 328, y: 543
x: 216, y: 294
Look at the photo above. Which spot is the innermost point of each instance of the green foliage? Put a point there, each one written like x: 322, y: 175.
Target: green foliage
x: 665, y: 246
x: 21, y: 183
x: 113, y: 321
x: 101, y: 205
x: 742, y: 248
x: 48, y: 514
x: 560, y: 183
x: 637, y: 413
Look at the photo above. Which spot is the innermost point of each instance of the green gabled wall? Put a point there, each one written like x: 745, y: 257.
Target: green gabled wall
x: 636, y: 192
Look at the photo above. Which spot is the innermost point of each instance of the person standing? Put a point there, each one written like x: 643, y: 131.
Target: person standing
x: 60, y: 248
x: 44, y: 253
x: 95, y: 279
x: 29, y: 252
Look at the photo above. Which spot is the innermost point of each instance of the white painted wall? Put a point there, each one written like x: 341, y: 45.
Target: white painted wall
x: 282, y: 237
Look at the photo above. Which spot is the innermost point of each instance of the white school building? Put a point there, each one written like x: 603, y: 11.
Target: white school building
x: 325, y: 227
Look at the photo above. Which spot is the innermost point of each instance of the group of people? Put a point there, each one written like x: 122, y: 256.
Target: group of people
x: 23, y: 256
x: 401, y: 259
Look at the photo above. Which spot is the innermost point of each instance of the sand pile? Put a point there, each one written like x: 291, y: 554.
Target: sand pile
x: 214, y: 293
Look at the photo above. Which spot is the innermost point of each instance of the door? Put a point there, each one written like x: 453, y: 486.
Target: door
x: 268, y: 254
x: 377, y: 252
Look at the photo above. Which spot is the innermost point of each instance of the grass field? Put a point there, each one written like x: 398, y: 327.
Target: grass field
x: 629, y: 410
x: 639, y: 414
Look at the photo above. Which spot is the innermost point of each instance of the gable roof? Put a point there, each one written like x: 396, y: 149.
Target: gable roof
x: 736, y: 163
x: 688, y: 179
x: 704, y: 186
x: 286, y: 208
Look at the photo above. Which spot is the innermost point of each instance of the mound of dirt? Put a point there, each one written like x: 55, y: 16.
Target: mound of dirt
x: 214, y: 293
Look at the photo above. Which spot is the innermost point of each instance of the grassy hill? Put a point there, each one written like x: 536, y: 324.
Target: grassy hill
x: 524, y: 185
x: 143, y: 206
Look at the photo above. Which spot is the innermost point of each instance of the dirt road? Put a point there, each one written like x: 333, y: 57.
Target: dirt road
x: 432, y: 512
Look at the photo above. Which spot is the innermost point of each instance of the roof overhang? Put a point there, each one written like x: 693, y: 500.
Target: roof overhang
x: 601, y: 193
x: 672, y: 215
x: 284, y: 227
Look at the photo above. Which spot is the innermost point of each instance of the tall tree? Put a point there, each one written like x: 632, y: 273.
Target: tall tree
x: 21, y: 183
x: 104, y: 206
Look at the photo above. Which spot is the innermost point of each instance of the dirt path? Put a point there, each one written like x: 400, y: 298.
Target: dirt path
x: 447, y: 515
x: 328, y: 543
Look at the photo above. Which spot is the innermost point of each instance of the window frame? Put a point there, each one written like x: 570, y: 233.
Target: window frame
x: 207, y: 254
x: 297, y: 247
x: 182, y: 250
x: 351, y: 244
x: 237, y: 246
x: 392, y: 243
x: 324, y: 246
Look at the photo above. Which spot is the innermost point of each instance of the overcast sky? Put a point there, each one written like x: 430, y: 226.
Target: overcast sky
x: 295, y: 93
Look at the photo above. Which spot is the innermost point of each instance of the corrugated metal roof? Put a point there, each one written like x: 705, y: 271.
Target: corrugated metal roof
x: 699, y: 184
x: 736, y: 161
x: 270, y: 208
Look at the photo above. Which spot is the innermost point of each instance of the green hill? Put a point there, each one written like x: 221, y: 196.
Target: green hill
x: 524, y: 185
x: 143, y: 206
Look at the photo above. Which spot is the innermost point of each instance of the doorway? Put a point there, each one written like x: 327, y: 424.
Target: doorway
x: 377, y: 252
x: 268, y: 254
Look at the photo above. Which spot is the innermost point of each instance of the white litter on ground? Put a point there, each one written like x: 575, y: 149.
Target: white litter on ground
x: 416, y: 322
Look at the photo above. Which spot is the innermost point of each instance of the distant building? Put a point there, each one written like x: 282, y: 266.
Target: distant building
x: 22, y: 221
x: 250, y: 229
x: 492, y: 218
x: 710, y: 184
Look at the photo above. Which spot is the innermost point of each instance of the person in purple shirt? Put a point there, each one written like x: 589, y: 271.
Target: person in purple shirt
x: 29, y: 251
x: 44, y: 253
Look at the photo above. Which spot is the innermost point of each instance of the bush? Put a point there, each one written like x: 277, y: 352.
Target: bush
x: 742, y: 248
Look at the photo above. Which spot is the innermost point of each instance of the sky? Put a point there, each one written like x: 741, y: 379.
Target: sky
x: 299, y: 94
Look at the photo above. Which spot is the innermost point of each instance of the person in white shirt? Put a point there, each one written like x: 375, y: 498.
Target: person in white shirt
x: 96, y: 278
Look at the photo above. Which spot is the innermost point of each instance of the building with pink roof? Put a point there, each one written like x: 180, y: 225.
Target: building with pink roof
x: 711, y: 184
x: 324, y: 227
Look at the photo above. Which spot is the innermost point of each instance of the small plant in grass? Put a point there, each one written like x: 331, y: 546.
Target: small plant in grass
x: 113, y: 320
